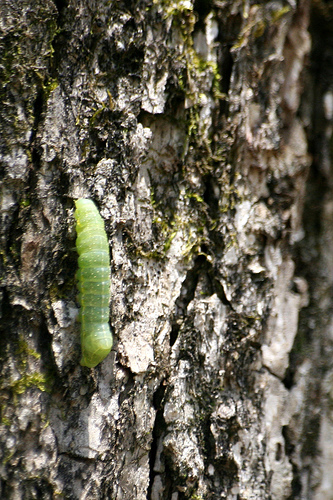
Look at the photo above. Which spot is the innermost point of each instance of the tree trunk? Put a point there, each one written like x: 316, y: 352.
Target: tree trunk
x: 185, y: 122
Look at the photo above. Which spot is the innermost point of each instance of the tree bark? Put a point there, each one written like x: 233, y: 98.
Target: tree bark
x: 202, y: 130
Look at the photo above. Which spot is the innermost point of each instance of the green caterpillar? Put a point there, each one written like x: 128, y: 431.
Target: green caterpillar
x: 93, y: 283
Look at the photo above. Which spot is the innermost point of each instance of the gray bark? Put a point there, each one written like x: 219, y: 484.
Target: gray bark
x: 185, y: 122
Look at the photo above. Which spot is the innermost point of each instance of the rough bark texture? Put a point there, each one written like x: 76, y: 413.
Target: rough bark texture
x: 184, y: 122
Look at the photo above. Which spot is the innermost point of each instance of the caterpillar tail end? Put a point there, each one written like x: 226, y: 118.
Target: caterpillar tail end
x: 96, y: 344
x: 92, y: 360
